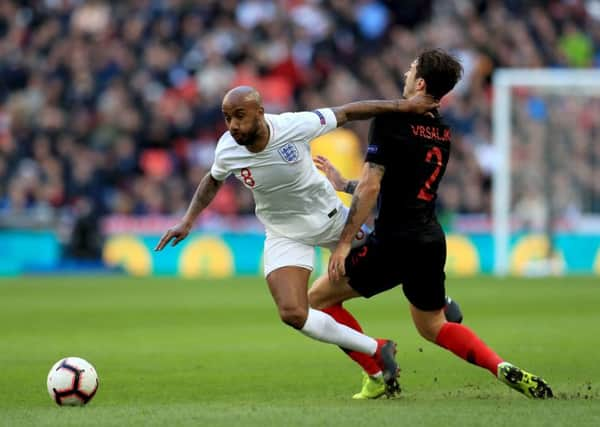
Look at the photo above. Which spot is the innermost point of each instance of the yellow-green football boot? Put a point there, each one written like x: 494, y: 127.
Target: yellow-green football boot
x: 524, y: 382
x: 372, y: 387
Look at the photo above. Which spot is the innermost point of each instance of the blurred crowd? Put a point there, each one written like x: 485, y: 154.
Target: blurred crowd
x: 555, y: 157
x: 113, y: 107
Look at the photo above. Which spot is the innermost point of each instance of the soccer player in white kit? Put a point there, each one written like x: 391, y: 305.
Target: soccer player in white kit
x: 270, y: 154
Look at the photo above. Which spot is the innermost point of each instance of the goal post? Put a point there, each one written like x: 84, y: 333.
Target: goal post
x: 552, y: 82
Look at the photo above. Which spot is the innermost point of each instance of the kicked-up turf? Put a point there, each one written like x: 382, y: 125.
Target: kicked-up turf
x: 213, y: 353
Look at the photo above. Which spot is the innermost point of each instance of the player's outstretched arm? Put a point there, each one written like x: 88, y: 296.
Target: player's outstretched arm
x: 205, y: 193
x: 363, y: 202
x: 362, y: 110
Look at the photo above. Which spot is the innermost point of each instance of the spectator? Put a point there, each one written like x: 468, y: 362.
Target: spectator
x: 118, y: 103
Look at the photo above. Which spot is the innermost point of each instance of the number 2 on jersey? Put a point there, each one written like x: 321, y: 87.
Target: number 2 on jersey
x: 426, y: 193
x: 247, y: 177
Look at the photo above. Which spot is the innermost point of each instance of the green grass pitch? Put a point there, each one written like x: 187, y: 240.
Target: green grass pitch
x: 214, y: 353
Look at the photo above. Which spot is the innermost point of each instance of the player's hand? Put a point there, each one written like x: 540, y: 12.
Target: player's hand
x: 176, y: 233
x: 333, y: 175
x: 337, y: 267
x: 422, y: 104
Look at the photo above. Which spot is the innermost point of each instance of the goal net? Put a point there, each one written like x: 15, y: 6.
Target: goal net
x: 546, y: 186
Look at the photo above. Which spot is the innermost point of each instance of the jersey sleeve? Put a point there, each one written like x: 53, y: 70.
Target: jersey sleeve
x: 219, y: 170
x: 311, y: 124
x: 378, y: 150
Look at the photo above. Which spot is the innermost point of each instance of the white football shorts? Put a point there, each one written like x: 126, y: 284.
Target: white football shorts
x: 282, y: 251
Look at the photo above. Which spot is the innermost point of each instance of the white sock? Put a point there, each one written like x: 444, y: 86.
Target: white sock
x: 321, y: 326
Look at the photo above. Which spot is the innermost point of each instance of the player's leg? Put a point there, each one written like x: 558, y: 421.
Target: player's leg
x: 328, y: 297
x: 362, y: 267
x: 424, y: 288
x: 458, y: 339
x: 288, y: 286
x: 287, y: 268
x: 464, y: 343
x: 288, y: 289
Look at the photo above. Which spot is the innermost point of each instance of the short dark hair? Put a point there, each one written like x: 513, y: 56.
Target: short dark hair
x: 440, y: 70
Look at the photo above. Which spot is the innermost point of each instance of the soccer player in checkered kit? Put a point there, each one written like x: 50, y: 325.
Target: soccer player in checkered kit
x: 404, y: 165
x: 270, y: 154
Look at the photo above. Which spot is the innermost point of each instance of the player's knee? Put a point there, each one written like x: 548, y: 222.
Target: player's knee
x: 315, y: 299
x: 293, y: 316
x: 430, y: 327
x: 427, y: 332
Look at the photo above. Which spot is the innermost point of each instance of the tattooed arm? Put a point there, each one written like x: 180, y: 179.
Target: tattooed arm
x: 365, y: 197
x: 205, y: 193
x: 362, y: 110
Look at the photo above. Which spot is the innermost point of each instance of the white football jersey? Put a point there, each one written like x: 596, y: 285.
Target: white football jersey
x: 292, y: 198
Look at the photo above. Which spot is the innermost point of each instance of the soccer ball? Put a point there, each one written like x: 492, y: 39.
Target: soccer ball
x: 72, y: 382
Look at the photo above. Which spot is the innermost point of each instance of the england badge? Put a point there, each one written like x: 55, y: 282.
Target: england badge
x: 289, y: 153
